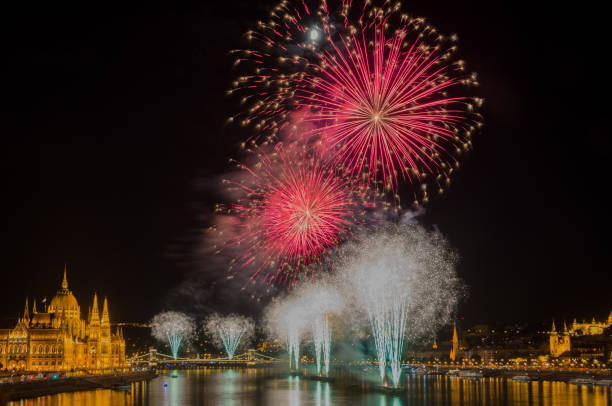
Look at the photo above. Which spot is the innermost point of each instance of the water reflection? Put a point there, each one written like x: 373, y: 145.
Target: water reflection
x: 390, y: 401
x: 294, y: 391
x: 323, y: 394
x: 245, y: 387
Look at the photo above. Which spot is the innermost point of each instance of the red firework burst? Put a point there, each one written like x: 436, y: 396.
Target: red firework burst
x: 291, y: 210
x: 382, y: 109
x: 382, y: 90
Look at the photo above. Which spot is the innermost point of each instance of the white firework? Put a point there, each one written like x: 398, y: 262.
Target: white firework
x: 403, y: 278
x: 230, y: 331
x: 286, y: 318
x: 318, y: 300
x: 175, y: 327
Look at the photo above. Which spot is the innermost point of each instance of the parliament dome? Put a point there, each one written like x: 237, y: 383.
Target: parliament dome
x: 64, y: 300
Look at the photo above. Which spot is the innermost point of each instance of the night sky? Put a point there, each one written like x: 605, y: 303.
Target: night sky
x: 114, y: 138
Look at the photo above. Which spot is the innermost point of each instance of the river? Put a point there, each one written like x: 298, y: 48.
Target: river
x: 244, y: 387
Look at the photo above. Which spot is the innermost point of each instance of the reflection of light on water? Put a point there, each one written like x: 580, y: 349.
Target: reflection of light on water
x: 395, y: 401
x: 174, y: 390
x: 322, y: 394
x: 229, y: 379
x: 294, y: 391
x: 226, y: 387
x: 230, y: 373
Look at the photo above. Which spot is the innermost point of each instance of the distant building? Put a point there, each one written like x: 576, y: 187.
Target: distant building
x: 590, y: 329
x: 59, y: 340
x: 455, y: 348
x: 560, y: 342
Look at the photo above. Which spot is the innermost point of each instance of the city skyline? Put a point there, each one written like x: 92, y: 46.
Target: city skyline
x: 120, y: 139
x: 305, y: 202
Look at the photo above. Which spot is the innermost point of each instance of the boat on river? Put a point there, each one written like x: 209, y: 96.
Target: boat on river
x: 581, y: 381
x: 469, y: 374
x: 522, y: 378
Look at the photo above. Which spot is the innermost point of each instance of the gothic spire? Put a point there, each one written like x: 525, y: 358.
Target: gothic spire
x: 34, y: 307
x: 65, y: 280
x: 554, y: 330
x: 105, y: 317
x: 95, y: 313
x: 455, y: 347
x: 26, y: 313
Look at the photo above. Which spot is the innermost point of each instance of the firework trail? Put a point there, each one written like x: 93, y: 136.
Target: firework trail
x: 384, y: 92
x: 290, y: 209
x: 318, y: 300
x: 174, y: 327
x: 322, y: 341
x: 403, y: 278
x: 229, y: 331
x: 286, y: 318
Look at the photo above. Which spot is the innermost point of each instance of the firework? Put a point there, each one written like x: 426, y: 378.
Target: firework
x: 384, y: 92
x: 318, y: 301
x: 174, y: 327
x: 230, y: 331
x: 290, y: 209
x: 286, y: 318
x: 404, y: 280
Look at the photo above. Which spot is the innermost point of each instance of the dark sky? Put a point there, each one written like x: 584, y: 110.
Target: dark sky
x: 114, y: 114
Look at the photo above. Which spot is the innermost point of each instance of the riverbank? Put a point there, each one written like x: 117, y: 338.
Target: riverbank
x: 31, y: 389
x: 368, y: 379
x: 536, y: 374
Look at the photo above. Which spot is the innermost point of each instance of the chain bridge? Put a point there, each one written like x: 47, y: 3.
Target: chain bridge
x: 249, y: 358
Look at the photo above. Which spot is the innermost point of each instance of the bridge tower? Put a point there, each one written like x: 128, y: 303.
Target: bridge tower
x: 152, y: 354
x: 251, y: 355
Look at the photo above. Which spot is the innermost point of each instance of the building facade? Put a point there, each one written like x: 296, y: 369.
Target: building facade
x: 590, y: 329
x: 560, y: 341
x: 59, y: 340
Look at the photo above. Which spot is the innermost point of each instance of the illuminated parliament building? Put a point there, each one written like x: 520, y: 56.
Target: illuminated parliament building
x: 59, y: 340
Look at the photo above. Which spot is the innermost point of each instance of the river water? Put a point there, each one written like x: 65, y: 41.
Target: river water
x: 245, y: 387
